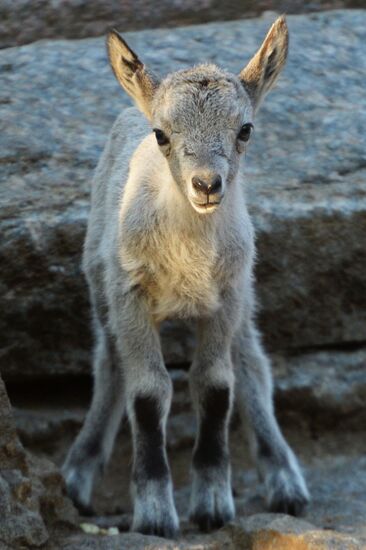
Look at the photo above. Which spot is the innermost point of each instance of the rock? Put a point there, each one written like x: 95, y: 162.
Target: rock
x: 21, y: 22
x: 32, y: 498
x: 35, y: 425
x: 306, y: 185
x: 334, y: 463
x: 21, y: 521
x: 182, y: 429
x: 276, y: 532
x: 134, y: 541
x: 316, y: 391
x: 323, y: 388
x: 56, y: 508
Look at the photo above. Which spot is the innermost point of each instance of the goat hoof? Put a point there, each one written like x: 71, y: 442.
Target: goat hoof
x: 83, y: 508
x: 212, y: 504
x: 154, y: 510
x: 293, y: 506
x: 289, y: 494
x: 207, y: 522
x: 168, y: 529
x: 78, y: 487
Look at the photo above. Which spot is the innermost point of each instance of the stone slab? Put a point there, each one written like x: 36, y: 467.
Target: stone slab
x: 24, y: 21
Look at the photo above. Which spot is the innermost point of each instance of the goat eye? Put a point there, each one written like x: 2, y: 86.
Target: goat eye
x: 245, y: 131
x: 161, y: 138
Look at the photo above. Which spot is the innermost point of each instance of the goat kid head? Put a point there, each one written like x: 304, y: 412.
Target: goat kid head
x: 202, y: 117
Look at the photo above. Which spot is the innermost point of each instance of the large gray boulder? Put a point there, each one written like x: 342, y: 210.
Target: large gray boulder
x: 305, y: 178
x: 23, y: 21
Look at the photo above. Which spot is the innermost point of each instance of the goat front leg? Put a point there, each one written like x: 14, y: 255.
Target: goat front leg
x: 276, y: 463
x: 148, y: 391
x: 212, y: 385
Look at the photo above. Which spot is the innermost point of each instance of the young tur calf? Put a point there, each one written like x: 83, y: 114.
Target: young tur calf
x: 169, y: 235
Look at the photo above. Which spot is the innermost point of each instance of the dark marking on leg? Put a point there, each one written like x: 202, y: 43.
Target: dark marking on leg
x: 264, y: 448
x: 210, y: 450
x: 93, y: 447
x: 151, y: 459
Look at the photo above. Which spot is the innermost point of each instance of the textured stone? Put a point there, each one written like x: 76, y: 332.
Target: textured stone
x: 306, y: 185
x: 21, y: 521
x: 276, y: 532
x: 334, y: 463
x: 318, y: 390
x: 257, y: 532
x: 23, y: 21
x: 134, y: 541
x: 323, y: 388
x: 31, y: 490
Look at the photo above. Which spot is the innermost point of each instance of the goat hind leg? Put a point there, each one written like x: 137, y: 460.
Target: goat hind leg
x: 276, y: 463
x: 93, y: 446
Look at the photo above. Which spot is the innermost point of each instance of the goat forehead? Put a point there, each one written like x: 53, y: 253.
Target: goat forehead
x: 206, y: 99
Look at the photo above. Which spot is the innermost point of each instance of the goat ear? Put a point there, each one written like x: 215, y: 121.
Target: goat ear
x: 262, y: 71
x: 131, y: 73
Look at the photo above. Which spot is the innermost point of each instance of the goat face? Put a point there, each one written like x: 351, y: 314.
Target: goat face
x: 202, y: 120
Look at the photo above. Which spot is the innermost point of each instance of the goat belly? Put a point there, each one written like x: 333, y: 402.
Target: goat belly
x: 178, y: 304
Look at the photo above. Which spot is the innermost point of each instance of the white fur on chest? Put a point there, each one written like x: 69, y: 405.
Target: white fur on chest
x: 177, y: 275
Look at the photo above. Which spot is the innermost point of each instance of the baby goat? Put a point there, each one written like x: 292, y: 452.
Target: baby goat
x: 169, y: 235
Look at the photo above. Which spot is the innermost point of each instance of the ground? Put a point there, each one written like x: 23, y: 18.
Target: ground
x: 334, y: 461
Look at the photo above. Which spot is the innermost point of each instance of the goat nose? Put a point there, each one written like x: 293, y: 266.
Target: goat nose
x: 208, y: 187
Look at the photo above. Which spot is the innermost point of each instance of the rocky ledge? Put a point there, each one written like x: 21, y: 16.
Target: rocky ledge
x: 36, y: 513
x: 32, y: 494
x: 305, y: 178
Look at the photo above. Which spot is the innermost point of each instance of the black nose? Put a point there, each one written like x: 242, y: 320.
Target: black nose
x: 209, y: 186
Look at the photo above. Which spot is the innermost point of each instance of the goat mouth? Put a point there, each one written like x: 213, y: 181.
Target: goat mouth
x: 205, y: 207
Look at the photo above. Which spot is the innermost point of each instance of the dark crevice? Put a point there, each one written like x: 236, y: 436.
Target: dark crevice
x: 40, y: 159
x: 50, y: 391
x: 352, y: 169
x: 320, y: 178
x: 332, y: 346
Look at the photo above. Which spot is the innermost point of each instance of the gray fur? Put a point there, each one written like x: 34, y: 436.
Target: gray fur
x: 157, y: 248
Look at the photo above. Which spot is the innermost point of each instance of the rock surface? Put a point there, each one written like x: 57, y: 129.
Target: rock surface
x: 334, y: 464
x: 317, y: 391
x: 35, y: 513
x: 268, y: 532
x: 31, y: 490
x: 306, y: 185
x: 320, y: 405
x: 259, y: 532
x: 23, y: 21
x: 323, y: 388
